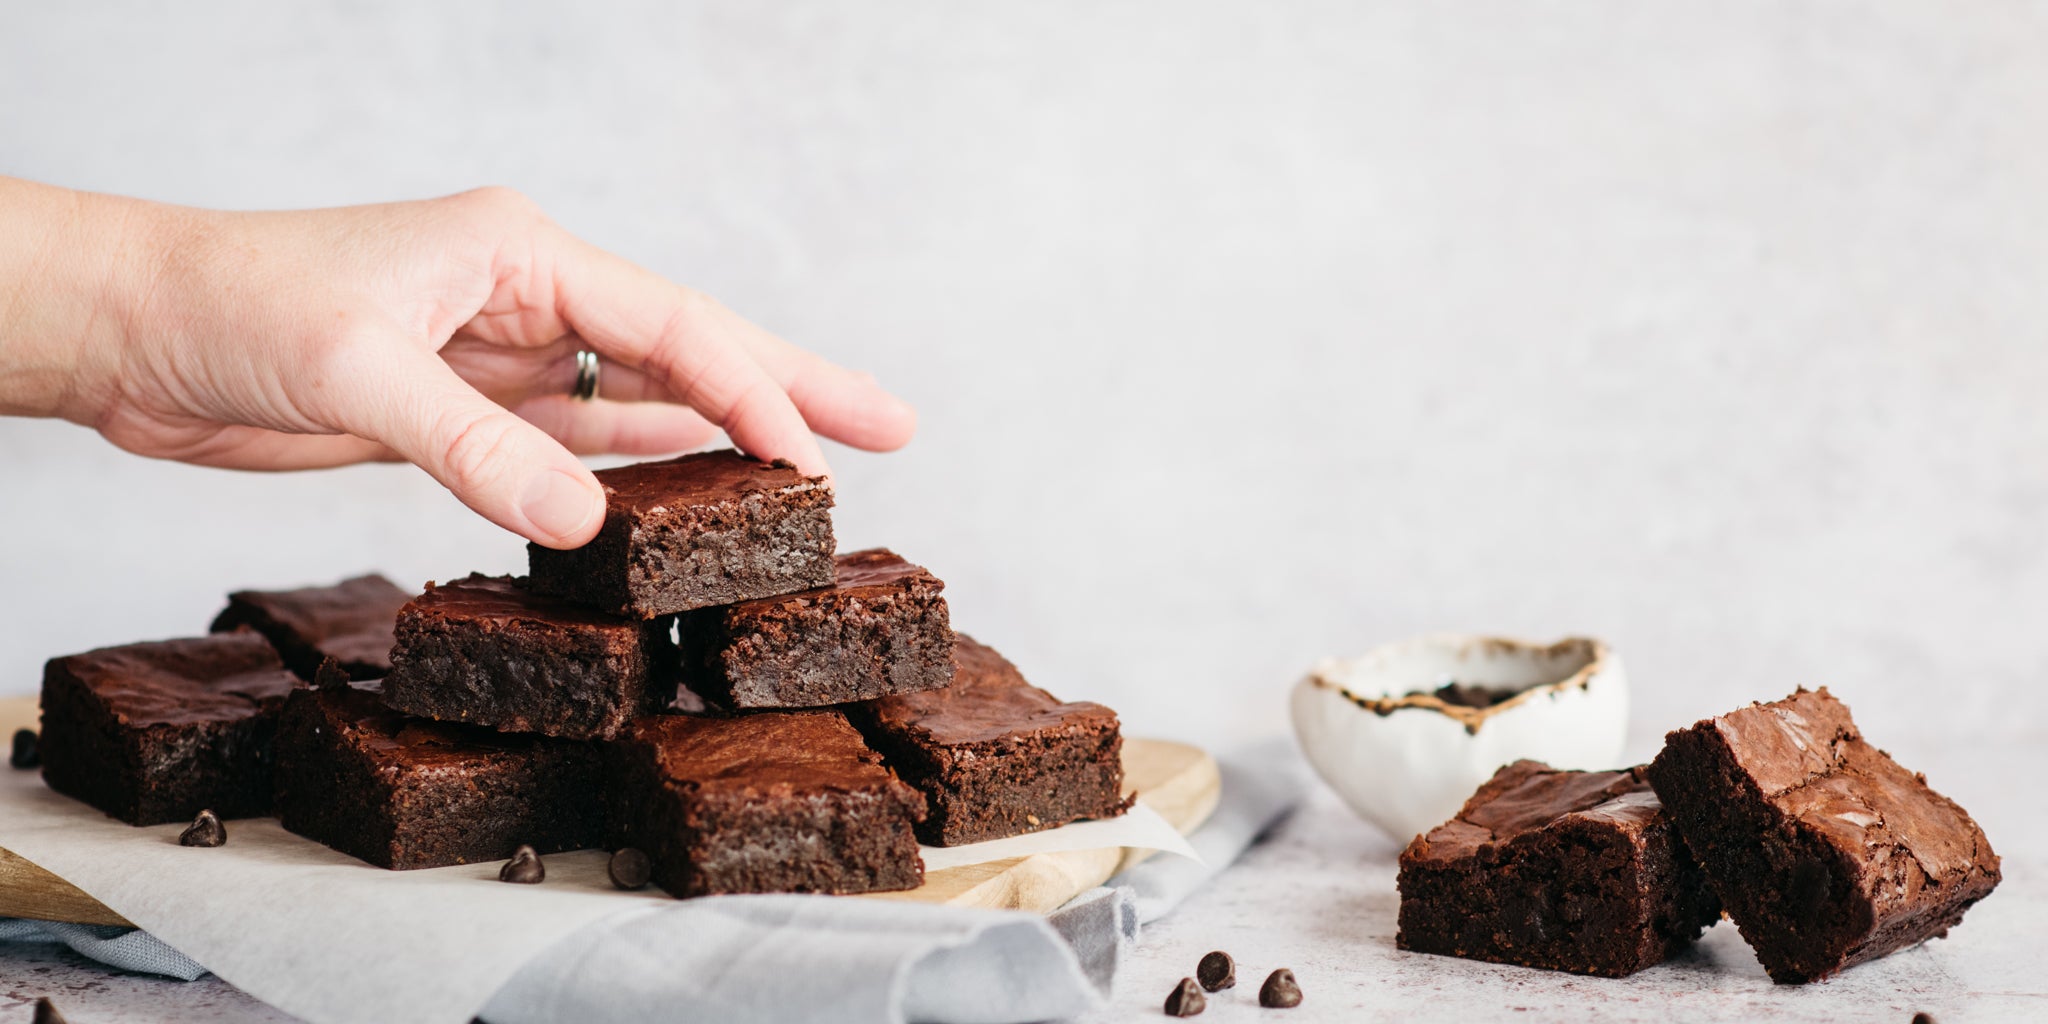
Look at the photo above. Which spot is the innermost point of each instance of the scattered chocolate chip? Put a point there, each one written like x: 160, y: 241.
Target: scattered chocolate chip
x: 27, y: 753
x: 630, y: 868
x: 1217, y: 971
x: 1186, y: 999
x: 46, y: 1012
x: 524, y: 868
x: 205, y: 830
x: 1923, y: 1018
x: 1280, y: 990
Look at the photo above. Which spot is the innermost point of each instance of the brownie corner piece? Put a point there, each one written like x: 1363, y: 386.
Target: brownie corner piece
x: 1563, y: 870
x: 881, y: 627
x: 401, y: 792
x: 489, y: 651
x: 776, y: 801
x: 707, y: 529
x: 1826, y: 851
x: 157, y: 732
x: 349, y: 622
x: 996, y: 756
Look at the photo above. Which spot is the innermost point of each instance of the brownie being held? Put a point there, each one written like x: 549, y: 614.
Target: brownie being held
x: 157, y: 732
x: 1565, y: 870
x: 702, y: 530
x: 1826, y: 851
x: 880, y: 628
x: 487, y: 650
x: 349, y: 622
x: 996, y: 756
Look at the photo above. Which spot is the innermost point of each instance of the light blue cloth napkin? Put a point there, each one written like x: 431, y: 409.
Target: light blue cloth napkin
x: 797, y: 959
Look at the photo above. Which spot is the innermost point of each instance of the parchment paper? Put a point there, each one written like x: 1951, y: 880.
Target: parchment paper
x: 329, y: 938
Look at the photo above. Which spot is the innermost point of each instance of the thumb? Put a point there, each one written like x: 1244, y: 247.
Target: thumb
x: 510, y: 471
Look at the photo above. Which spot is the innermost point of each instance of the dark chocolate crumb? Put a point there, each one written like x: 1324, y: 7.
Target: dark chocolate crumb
x: 1280, y: 990
x: 205, y: 830
x: 27, y: 753
x: 1186, y: 999
x: 1217, y: 971
x: 524, y: 868
x: 630, y: 868
x: 330, y: 675
x: 46, y: 1012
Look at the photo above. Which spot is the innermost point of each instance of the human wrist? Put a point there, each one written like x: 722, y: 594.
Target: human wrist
x: 73, y: 273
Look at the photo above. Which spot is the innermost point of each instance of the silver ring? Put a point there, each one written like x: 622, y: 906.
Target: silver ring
x: 586, y: 376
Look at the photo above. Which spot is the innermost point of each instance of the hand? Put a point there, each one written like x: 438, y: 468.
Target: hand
x: 442, y: 332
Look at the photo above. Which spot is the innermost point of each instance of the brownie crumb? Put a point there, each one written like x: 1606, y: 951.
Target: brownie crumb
x: 26, y: 754
x: 630, y: 868
x: 205, y: 830
x: 1469, y: 695
x: 1217, y: 971
x: 1186, y: 999
x: 524, y: 868
x: 46, y: 1012
x: 1280, y: 990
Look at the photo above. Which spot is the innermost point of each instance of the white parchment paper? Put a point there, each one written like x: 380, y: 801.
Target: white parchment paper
x: 329, y: 938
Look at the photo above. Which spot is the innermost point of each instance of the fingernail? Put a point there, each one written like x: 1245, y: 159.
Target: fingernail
x: 558, y: 504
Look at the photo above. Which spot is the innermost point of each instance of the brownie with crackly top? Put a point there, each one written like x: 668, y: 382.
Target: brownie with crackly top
x: 776, y: 801
x: 157, y: 732
x: 1826, y: 851
x: 996, y: 756
x: 698, y: 531
x: 1564, y: 870
x: 403, y: 792
x: 880, y: 628
x: 489, y: 651
x: 349, y: 622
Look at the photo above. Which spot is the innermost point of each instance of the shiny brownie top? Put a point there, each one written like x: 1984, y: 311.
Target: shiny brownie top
x: 505, y: 599
x: 215, y: 678
x: 356, y: 712
x: 987, y: 701
x: 1529, y: 796
x: 706, y: 478
x: 775, y: 753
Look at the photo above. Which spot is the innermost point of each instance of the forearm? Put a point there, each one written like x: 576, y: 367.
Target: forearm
x: 70, y: 264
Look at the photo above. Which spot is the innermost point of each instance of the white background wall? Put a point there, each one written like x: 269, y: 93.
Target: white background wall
x: 1242, y: 333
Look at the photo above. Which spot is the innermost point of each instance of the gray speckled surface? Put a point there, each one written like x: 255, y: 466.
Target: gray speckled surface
x: 1318, y: 897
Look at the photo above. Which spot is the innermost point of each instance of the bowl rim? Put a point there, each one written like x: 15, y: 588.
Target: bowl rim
x: 1470, y: 717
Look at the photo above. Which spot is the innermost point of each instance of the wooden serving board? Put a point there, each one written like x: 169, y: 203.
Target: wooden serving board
x: 1178, y: 781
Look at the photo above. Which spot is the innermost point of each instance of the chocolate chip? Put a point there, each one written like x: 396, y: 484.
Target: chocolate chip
x: 1280, y: 990
x: 27, y: 753
x: 629, y: 868
x: 1186, y: 999
x: 46, y: 1012
x: 524, y: 868
x: 1217, y: 971
x: 1923, y: 1018
x: 205, y: 830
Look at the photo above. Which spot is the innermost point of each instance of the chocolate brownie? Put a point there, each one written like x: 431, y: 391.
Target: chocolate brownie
x: 778, y: 801
x: 996, y: 756
x: 403, y: 792
x: 702, y: 530
x: 487, y: 650
x: 1571, y: 871
x: 880, y: 628
x: 1826, y: 852
x: 349, y: 622
x: 157, y: 732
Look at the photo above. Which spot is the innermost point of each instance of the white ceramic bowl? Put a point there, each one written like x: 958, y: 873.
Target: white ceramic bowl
x: 1405, y: 760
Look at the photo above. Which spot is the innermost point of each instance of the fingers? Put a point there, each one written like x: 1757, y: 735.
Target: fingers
x: 508, y: 470
x: 842, y: 404
x: 624, y: 428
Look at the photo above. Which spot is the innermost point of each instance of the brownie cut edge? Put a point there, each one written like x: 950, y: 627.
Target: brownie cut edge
x: 1825, y: 850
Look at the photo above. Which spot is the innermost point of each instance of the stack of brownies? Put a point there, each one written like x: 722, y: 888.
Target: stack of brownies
x: 705, y: 682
